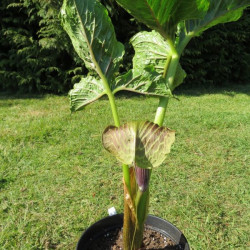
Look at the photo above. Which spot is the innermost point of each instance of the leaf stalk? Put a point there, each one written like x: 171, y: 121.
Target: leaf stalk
x: 169, y: 74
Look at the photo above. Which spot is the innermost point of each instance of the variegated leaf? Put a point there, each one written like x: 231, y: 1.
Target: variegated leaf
x: 146, y: 81
x: 144, y: 144
x: 92, y: 34
x: 151, y: 49
x: 88, y: 90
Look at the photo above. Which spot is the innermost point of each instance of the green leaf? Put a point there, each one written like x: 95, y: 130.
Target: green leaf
x: 220, y: 11
x: 92, y: 34
x: 164, y: 16
x: 88, y: 90
x: 151, y: 54
x: 147, y: 82
x: 152, y: 49
x: 143, y: 144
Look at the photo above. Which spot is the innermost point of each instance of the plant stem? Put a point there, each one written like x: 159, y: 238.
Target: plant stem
x: 141, y: 205
x: 126, y: 177
x: 126, y: 174
x: 171, y: 71
x: 161, y: 110
x: 129, y: 219
x: 182, y: 45
x: 113, y: 106
x: 128, y: 216
x: 125, y: 167
x: 166, y: 66
x: 169, y: 74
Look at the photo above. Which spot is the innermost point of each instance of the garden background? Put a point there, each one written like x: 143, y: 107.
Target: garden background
x: 54, y: 174
x: 36, y: 54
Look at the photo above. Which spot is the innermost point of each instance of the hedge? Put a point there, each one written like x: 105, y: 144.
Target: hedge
x: 37, y: 56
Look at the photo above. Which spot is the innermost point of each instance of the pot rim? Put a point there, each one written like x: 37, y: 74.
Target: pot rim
x: 109, y: 223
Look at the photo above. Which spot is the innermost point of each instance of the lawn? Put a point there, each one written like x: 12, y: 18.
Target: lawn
x: 56, y: 179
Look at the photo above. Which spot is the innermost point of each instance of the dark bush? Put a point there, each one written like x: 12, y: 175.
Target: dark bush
x: 36, y: 55
x: 221, y: 56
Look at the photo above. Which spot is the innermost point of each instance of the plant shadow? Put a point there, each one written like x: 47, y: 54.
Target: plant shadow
x: 228, y: 90
x: 8, y: 100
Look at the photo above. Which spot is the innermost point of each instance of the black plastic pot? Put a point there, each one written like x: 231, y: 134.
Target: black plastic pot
x: 116, y: 221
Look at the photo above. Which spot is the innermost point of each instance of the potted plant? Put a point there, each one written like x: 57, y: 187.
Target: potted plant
x: 139, y: 145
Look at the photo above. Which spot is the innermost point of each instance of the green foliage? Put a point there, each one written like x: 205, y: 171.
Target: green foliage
x: 88, y: 90
x: 34, y: 50
x: 218, y: 12
x: 164, y: 16
x: 147, y: 82
x: 151, y: 49
x: 221, y: 56
x: 92, y: 35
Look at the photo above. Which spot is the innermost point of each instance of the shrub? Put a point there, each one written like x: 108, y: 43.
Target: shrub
x: 221, y: 56
x: 37, y: 56
x: 34, y: 49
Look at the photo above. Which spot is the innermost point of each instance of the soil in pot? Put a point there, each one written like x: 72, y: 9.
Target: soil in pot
x: 151, y: 240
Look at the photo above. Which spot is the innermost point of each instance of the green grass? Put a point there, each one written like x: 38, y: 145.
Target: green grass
x: 56, y: 179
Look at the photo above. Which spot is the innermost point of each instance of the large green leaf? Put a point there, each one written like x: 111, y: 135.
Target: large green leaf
x: 92, y: 34
x: 88, y: 90
x: 151, y: 55
x: 164, y: 16
x: 220, y: 11
x: 143, y: 144
x: 152, y: 49
x: 147, y: 82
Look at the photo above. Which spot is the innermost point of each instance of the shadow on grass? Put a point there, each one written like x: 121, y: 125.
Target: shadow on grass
x: 3, y: 182
x: 186, y: 90
x: 229, y: 90
x: 197, y: 91
x: 6, y: 96
x: 9, y: 97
